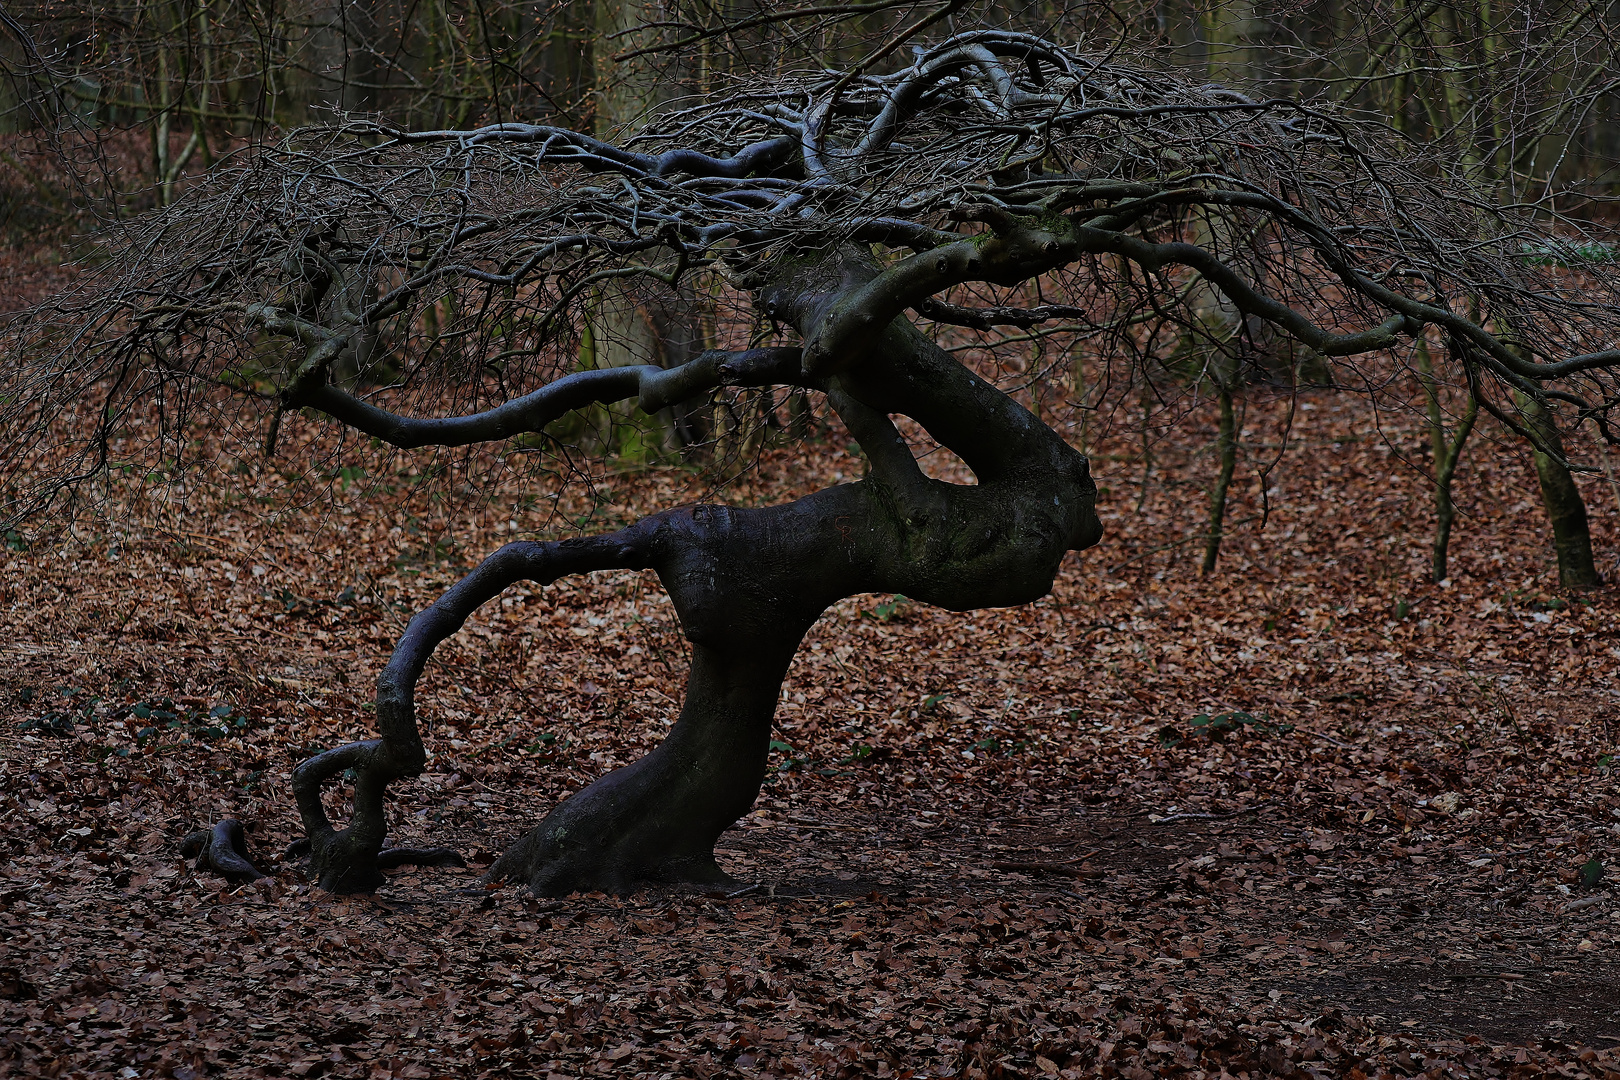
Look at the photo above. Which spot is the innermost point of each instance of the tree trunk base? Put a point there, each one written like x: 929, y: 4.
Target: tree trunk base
x: 653, y: 822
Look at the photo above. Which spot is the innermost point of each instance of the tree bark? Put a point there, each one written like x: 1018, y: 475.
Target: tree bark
x: 643, y: 323
x: 747, y: 585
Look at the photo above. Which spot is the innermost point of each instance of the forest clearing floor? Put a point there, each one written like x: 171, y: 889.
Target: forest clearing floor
x: 1310, y: 815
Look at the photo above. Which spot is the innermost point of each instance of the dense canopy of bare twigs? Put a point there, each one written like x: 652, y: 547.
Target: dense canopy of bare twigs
x: 1119, y: 188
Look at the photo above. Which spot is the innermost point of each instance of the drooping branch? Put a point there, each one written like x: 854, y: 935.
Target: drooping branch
x: 347, y: 860
x: 565, y: 146
x: 1022, y: 252
x: 654, y: 388
x: 984, y: 51
x: 992, y: 157
x: 930, y: 307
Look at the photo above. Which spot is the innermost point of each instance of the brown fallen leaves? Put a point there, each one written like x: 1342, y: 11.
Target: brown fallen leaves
x: 992, y: 844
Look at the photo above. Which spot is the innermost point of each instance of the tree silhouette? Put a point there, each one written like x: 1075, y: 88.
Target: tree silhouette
x: 830, y: 213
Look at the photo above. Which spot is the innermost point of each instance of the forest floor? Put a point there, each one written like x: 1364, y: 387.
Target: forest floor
x: 1000, y: 843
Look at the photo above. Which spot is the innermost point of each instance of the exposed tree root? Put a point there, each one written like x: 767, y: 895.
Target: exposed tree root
x: 390, y: 858
x: 222, y: 850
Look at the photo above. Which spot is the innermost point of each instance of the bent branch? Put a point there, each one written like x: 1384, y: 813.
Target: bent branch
x: 222, y: 850
x: 654, y: 388
x: 347, y: 860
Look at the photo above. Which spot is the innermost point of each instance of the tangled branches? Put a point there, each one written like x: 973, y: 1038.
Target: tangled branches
x: 314, y: 261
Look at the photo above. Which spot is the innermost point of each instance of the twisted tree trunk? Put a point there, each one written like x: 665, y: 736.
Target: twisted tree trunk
x: 762, y: 197
x: 747, y: 584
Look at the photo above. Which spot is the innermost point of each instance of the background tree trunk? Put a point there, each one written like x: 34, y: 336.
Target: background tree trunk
x: 645, y: 323
x: 1572, y: 540
x: 1447, y: 452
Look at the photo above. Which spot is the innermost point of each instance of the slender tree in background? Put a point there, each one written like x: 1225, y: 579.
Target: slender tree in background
x: 1446, y: 450
x: 1436, y: 71
x: 840, y: 221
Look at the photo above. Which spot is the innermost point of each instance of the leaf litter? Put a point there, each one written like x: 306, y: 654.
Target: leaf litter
x: 1311, y: 816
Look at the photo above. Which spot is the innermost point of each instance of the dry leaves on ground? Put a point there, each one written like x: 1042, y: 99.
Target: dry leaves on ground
x: 1311, y: 815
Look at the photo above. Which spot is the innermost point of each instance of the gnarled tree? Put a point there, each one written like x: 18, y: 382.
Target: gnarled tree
x: 993, y: 179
